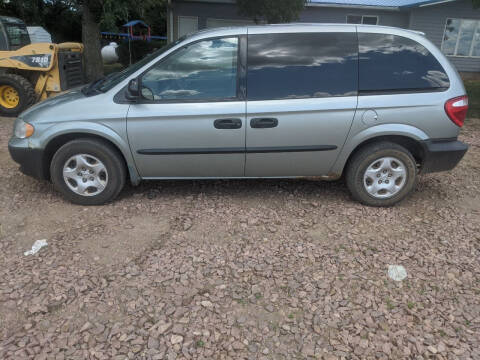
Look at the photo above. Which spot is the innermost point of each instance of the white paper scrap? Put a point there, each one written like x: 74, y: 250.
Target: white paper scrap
x: 37, y: 245
x: 397, y: 272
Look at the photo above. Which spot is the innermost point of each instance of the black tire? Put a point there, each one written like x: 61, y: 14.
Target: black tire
x: 104, y: 152
x: 25, y: 90
x: 364, y: 157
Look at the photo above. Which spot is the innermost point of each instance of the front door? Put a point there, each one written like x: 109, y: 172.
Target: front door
x: 191, y: 122
x: 302, y: 97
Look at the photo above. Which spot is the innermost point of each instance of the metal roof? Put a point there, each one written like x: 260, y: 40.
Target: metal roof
x: 400, y: 4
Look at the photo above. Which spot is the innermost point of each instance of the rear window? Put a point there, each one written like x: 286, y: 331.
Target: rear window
x: 390, y: 63
x: 304, y: 65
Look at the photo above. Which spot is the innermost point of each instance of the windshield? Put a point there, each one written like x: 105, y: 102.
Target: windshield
x: 116, y: 78
x: 17, y: 35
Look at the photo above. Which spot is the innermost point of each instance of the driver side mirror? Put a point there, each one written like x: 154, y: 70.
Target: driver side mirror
x: 133, y: 90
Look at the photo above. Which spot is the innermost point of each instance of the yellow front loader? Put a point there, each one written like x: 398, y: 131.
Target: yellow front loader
x: 33, y: 72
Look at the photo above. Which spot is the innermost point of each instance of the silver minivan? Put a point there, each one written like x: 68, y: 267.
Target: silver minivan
x: 378, y: 105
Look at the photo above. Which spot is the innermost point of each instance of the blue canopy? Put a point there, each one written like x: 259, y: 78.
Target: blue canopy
x: 135, y: 22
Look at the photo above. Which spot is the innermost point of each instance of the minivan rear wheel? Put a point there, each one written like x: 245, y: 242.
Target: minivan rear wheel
x: 88, y: 171
x: 381, y: 174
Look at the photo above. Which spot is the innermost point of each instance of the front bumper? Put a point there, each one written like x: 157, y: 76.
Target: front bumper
x: 442, y: 154
x: 30, y: 160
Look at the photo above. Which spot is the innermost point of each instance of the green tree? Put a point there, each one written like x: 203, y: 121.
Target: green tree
x: 110, y: 15
x: 154, y: 13
x: 31, y: 10
x: 118, y: 12
x: 476, y: 3
x: 271, y: 11
x: 50, y: 12
x: 64, y: 18
x: 57, y: 16
x: 62, y: 21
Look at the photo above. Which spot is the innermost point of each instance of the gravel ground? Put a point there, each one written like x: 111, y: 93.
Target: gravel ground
x: 280, y: 269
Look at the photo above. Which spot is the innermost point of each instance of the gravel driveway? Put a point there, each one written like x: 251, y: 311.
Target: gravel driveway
x: 263, y: 269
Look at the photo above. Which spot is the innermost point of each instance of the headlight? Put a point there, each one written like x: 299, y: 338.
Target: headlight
x: 22, y: 129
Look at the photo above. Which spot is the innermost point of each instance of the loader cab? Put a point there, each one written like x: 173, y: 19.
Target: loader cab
x: 13, y: 34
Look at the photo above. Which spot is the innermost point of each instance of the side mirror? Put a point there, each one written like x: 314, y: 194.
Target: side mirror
x: 133, y: 90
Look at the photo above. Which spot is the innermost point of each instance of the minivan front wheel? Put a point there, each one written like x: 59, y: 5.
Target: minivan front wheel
x: 381, y: 174
x: 88, y: 171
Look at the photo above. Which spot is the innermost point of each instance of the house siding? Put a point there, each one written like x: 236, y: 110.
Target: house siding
x: 311, y: 14
x: 339, y: 15
x: 431, y: 20
x: 203, y: 11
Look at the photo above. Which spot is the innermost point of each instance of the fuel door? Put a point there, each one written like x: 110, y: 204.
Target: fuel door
x: 370, y: 117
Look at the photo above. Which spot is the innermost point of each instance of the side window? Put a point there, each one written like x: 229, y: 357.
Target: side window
x: 305, y: 65
x: 17, y: 34
x: 3, y: 42
x: 206, y: 70
x: 395, y: 63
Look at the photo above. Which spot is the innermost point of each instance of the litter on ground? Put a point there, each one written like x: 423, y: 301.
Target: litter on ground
x: 37, y: 245
x: 397, y: 272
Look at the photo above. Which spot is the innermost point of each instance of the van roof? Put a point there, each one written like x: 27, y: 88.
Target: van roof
x: 299, y: 26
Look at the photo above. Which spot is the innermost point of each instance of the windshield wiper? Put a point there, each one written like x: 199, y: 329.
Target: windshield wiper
x: 87, y: 90
x: 94, y: 86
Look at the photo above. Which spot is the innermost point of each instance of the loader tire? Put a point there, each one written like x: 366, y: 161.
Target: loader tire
x: 16, y: 94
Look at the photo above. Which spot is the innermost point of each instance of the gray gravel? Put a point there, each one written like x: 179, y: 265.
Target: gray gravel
x: 241, y: 270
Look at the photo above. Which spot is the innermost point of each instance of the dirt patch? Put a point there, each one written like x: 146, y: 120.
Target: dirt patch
x: 121, y: 242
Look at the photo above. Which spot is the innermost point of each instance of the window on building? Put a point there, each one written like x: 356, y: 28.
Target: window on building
x: 462, y: 38
x: 390, y: 63
x: 304, y: 65
x: 362, y: 19
x: 205, y: 70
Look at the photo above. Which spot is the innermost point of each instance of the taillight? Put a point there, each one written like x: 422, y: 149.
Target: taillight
x: 456, y: 109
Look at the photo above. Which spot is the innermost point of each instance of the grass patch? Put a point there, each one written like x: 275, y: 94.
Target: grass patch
x: 241, y: 301
x: 473, y: 91
x: 273, y: 325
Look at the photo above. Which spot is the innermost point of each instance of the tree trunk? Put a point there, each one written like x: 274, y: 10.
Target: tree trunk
x: 92, y: 57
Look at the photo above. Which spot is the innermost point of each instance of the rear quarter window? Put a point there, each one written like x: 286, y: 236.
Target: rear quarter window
x: 390, y: 63
x: 302, y: 65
